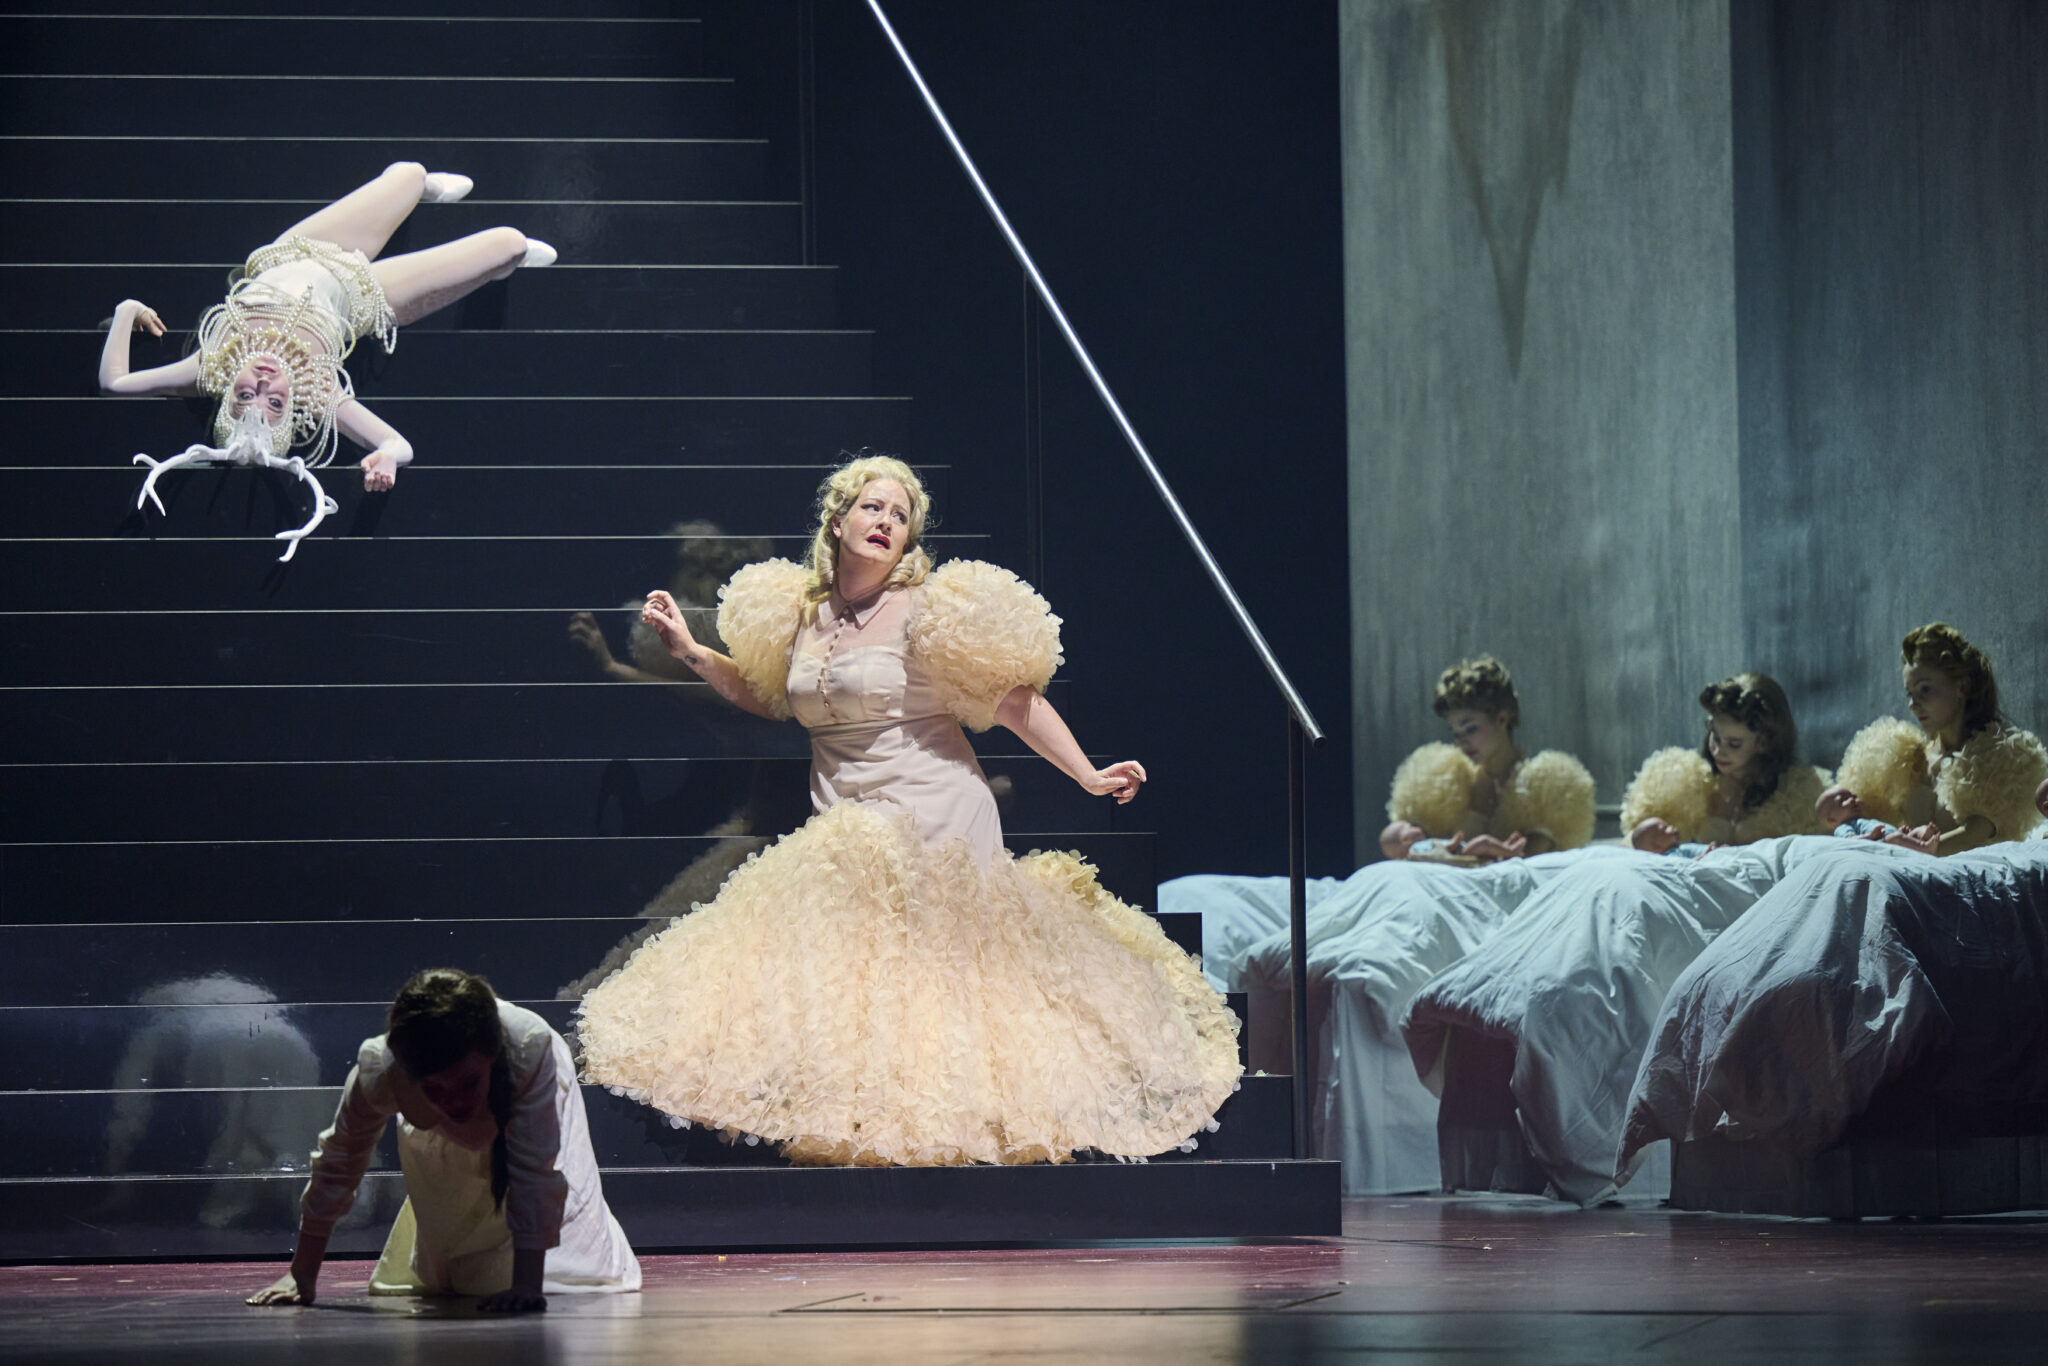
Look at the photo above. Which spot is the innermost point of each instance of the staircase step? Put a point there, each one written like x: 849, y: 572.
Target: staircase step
x: 316, y: 45
x: 544, y: 797
x: 340, y: 879
x: 567, y: 499
x: 201, y: 232
x: 97, y: 432
x: 299, y: 961
x: 167, y: 166
x: 356, y: 960
x: 270, y: 1124
x: 53, y: 297
x: 371, y: 106
x: 50, y: 649
x: 724, y: 364
x: 331, y: 879
x: 714, y: 1208
x: 84, y: 1055
x: 489, y: 800
x: 211, y: 575
x: 484, y: 9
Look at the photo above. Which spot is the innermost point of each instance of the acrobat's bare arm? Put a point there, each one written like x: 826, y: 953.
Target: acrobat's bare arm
x: 387, y: 449
x: 132, y: 316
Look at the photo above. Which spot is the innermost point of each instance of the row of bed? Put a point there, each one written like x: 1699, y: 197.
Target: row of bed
x: 1804, y: 1025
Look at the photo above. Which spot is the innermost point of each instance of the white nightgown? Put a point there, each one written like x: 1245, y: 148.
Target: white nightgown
x: 451, y: 1237
x: 888, y: 985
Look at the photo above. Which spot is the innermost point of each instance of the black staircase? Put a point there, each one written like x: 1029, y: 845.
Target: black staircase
x: 242, y: 799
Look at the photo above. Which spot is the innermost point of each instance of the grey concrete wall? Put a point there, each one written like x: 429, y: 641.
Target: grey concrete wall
x: 1690, y: 337
x: 1892, y: 212
x: 1541, y: 338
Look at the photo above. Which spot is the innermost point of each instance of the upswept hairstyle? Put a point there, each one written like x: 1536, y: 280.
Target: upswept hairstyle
x: 1939, y: 645
x: 441, y: 1016
x: 1480, y: 684
x: 836, y: 497
x: 1756, y: 701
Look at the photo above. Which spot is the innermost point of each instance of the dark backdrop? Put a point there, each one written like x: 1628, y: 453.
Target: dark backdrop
x: 1174, y: 169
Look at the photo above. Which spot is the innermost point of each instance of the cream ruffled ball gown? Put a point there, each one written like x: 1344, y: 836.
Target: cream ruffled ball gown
x: 887, y: 984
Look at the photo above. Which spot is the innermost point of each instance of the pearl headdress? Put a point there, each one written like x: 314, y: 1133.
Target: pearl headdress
x: 231, y: 337
x: 260, y: 319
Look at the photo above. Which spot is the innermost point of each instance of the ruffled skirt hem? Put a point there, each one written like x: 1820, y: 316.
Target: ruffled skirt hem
x: 862, y: 999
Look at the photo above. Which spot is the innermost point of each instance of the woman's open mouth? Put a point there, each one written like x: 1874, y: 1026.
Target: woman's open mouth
x: 882, y: 541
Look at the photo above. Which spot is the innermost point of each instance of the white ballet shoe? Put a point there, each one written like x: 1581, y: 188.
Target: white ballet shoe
x: 445, y: 187
x: 538, y: 254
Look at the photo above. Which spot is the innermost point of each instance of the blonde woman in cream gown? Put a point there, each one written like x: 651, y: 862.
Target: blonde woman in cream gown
x: 889, y: 985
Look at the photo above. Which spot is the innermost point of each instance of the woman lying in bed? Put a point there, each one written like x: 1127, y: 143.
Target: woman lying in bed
x: 1743, y: 783
x: 1532, y: 1039
x: 1962, y: 778
x: 1377, y: 935
x: 1478, y: 798
x: 1872, y: 994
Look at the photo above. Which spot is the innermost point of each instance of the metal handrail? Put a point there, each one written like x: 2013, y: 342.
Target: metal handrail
x: 1159, y: 484
x: 1301, y: 723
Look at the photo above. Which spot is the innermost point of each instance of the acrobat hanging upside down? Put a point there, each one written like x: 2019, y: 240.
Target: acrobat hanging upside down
x: 272, y: 351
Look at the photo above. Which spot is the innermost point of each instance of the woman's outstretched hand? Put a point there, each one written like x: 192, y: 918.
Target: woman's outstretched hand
x: 284, y: 1290
x: 380, y: 471
x: 661, y: 612
x: 1120, y: 780
x: 141, y: 317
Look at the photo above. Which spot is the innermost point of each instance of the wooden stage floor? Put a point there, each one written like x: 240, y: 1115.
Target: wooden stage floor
x: 1438, y: 1280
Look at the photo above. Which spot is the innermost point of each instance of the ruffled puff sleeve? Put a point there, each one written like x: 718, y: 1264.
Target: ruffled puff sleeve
x: 1674, y: 785
x: 980, y: 631
x: 1553, y: 795
x: 1994, y: 775
x: 1790, y: 809
x: 1883, y: 765
x: 343, y: 1151
x: 759, y: 612
x: 1433, y: 789
x: 536, y: 1191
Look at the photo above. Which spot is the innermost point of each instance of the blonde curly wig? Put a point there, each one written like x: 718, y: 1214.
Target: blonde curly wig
x: 836, y: 497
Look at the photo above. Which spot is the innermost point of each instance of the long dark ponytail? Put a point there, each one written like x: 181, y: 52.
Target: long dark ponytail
x: 441, y: 1016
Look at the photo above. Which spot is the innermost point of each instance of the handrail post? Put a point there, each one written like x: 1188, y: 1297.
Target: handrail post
x: 1297, y: 921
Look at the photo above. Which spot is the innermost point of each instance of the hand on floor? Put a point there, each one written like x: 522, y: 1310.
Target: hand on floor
x: 284, y: 1290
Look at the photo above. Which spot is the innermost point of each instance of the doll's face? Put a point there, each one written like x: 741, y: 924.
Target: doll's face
x: 1936, y: 699
x: 876, y: 528
x: 461, y: 1089
x: 265, y: 385
x: 1733, y: 747
x: 1478, y: 735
